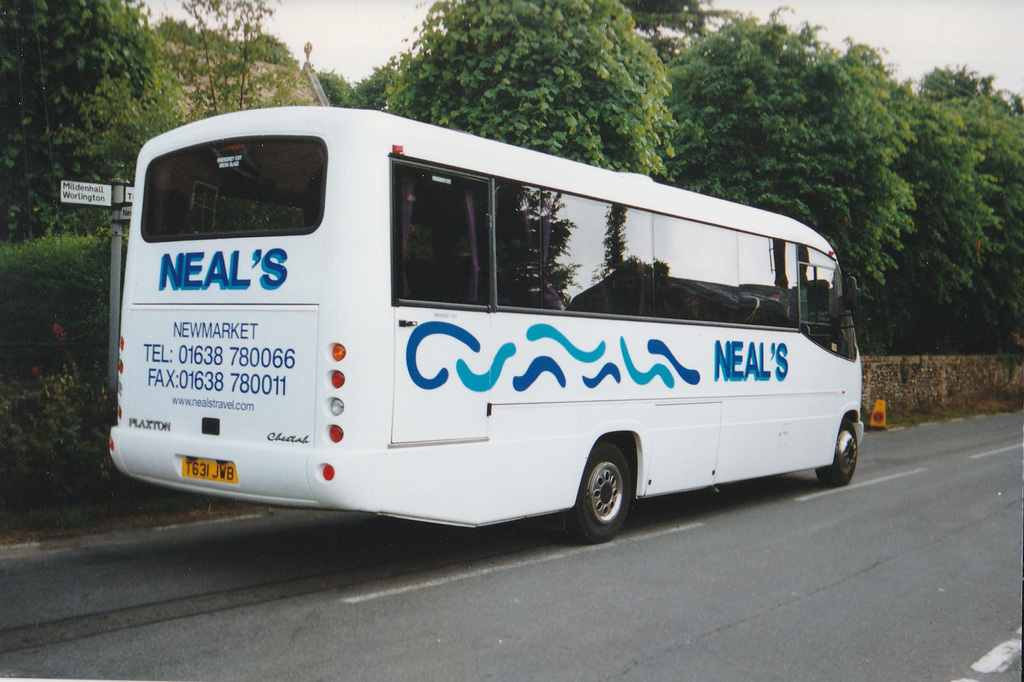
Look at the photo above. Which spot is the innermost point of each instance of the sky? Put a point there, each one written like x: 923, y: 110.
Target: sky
x: 350, y: 37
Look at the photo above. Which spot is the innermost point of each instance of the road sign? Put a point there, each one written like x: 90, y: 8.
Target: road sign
x: 118, y: 196
x: 84, y: 193
x: 96, y: 194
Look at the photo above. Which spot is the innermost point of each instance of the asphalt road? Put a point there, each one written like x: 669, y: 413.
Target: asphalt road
x: 911, y: 572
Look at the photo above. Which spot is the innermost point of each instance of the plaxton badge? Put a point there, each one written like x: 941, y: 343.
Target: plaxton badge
x: 149, y: 424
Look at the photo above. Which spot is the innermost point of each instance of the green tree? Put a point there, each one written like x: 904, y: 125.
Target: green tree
x: 666, y: 23
x: 225, y: 59
x: 372, y: 91
x: 772, y: 117
x: 115, y: 122
x: 568, y: 77
x: 931, y: 288
x: 337, y: 89
x: 369, y: 93
x: 958, y: 284
x: 51, y: 56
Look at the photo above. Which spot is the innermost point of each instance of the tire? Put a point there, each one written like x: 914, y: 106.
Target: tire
x: 844, y: 462
x: 603, y: 498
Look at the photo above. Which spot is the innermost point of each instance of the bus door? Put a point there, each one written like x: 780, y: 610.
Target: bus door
x: 441, y: 390
x: 441, y: 283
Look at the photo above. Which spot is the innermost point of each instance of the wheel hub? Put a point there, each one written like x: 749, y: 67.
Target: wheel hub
x: 605, y: 492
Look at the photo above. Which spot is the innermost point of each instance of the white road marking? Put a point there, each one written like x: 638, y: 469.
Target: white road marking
x: 20, y: 548
x: 207, y: 522
x: 995, y: 452
x: 1000, y: 659
x: 501, y: 567
x: 862, y: 484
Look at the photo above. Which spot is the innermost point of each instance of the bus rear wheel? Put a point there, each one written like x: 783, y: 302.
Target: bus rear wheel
x: 844, y: 461
x: 603, y: 498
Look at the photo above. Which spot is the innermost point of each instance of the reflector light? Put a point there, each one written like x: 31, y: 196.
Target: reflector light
x: 120, y: 414
x: 337, y: 379
x: 120, y: 366
x: 122, y: 343
x: 336, y: 433
x: 327, y: 471
x: 111, y: 444
x: 337, y: 407
x: 338, y: 352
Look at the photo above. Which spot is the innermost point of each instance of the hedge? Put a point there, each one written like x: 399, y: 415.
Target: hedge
x: 55, y: 410
x: 54, y: 302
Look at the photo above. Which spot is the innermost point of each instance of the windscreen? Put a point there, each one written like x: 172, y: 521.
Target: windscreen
x: 237, y: 187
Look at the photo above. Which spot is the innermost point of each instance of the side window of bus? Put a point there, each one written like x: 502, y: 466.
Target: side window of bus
x: 558, y: 251
x: 767, y: 276
x: 440, y: 237
x: 612, y: 259
x: 696, y: 274
x: 705, y: 273
x: 819, y: 311
x: 522, y: 219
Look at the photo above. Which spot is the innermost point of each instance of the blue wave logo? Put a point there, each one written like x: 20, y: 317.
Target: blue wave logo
x: 542, y: 365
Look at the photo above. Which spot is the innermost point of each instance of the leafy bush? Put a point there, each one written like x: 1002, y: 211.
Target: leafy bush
x: 54, y: 303
x: 53, y: 442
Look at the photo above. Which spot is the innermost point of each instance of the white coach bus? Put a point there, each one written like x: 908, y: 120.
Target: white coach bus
x: 350, y: 310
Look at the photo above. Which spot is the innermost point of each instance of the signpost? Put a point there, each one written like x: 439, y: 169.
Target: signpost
x: 118, y: 197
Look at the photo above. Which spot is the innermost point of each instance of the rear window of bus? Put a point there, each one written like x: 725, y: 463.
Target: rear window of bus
x: 238, y: 187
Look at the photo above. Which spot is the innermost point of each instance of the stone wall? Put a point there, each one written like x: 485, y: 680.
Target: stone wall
x: 913, y: 382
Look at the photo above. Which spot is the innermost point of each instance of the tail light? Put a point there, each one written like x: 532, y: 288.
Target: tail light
x: 335, y: 404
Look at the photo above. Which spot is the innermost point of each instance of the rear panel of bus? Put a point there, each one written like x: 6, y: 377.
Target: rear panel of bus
x: 221, y: 358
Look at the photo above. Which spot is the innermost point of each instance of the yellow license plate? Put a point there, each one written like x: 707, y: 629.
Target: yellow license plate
x: 209, y: 470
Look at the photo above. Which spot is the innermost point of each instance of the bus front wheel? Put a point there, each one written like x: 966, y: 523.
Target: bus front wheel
x: 602, y: 500
x: 844, y: 461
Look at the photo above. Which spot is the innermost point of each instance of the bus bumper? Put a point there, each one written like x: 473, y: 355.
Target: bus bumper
x: 269, y: 474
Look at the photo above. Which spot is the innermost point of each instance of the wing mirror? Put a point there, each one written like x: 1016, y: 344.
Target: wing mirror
x: 851, y: 294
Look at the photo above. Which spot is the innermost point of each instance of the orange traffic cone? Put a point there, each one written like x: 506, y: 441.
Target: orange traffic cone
x: 878, y: 415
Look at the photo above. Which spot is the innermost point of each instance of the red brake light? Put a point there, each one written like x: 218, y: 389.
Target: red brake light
x: 337, y: 379
x: 336, y: 433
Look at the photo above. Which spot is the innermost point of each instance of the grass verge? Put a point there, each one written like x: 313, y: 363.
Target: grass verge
x: 40, y: 524
x: 985, y: 407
